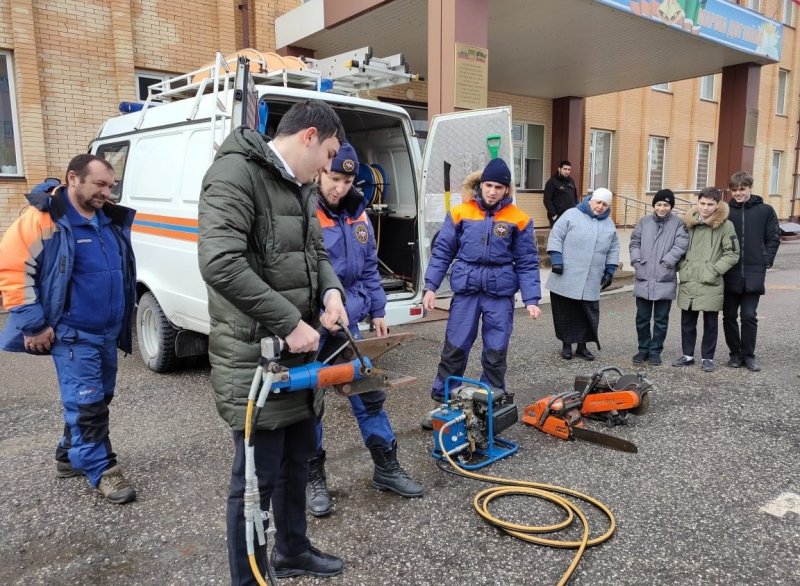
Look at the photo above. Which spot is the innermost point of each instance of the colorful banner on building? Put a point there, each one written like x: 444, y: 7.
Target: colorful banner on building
x: 717, y: 20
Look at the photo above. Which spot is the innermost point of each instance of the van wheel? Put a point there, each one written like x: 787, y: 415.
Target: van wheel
x: 156, y: 335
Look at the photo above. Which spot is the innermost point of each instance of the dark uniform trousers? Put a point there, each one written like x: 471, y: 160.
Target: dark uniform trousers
x: 281, y: 457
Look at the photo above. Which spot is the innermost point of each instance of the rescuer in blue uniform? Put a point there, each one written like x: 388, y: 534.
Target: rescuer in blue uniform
x: 490, y: 244
x: 349, y: 238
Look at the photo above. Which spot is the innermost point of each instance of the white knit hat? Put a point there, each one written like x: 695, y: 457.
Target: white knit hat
x: 602, y: 194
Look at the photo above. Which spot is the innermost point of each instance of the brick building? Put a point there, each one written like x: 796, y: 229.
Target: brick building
x: 65, y: 65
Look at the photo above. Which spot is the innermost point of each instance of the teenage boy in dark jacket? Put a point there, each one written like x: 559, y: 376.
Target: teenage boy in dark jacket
x: 756, y: 226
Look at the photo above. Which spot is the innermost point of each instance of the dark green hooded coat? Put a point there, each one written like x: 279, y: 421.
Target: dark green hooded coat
x: 262, y: 256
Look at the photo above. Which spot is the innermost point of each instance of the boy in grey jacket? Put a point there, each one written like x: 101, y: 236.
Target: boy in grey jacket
x: 658, y: 242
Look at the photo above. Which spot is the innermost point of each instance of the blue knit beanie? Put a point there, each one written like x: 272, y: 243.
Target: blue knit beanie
x: 498, y: 172
x: 346, y: 160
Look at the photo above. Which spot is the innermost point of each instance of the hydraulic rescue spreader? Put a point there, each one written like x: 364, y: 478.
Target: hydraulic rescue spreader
x: 347, y: 376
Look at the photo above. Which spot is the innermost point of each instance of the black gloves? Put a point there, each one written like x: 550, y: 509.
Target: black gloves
x: 606, y: 281
x: 557, y: 269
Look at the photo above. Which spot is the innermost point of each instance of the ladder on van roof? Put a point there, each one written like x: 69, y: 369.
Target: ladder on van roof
x: 346, y: 74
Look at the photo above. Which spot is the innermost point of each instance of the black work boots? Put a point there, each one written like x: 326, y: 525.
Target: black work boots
x: 389, y: 475
x: 318, y: 499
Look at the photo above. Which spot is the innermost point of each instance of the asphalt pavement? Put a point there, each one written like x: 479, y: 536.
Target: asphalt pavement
x: 712, y: 496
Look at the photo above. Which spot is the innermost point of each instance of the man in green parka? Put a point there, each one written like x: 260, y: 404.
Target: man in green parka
x: 713, y: 250
x: 262, y: 257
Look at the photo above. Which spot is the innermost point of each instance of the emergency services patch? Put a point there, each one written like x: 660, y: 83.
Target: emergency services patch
x: 362, y: 234
x: 348, y: 165
x: 501, y: 230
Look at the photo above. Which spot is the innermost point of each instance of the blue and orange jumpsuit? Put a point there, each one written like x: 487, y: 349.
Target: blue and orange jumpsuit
x: 493, y: 254
x: 352, y: 249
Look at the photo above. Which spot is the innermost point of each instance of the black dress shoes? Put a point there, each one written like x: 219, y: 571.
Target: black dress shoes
x: 566, y: 353
x: 311, y: 562
x: 584, y: 353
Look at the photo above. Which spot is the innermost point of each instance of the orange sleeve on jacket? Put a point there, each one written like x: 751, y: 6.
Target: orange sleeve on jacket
x: 20, y: 246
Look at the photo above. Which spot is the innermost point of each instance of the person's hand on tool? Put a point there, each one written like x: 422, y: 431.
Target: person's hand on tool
x: 335, y: 313
x: 41, y: 342
x: 533, y: 311
x: 303, y: 339
x: 429, y: 299
x: 381, y: 329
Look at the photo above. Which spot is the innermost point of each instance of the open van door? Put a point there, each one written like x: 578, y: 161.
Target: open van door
x: 458, y: 143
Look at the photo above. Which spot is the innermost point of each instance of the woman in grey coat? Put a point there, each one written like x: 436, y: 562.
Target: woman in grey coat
x: 658, y: 242
x: 584, y: 251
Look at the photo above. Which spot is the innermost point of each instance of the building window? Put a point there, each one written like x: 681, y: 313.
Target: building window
x: 707, y: 87
x: 655, y: 163
x: 751, y: 4
x: 662, y: 87
x: 783, y: 83
x: 144, y: 79
x: 528, y: 143
x: 10, y: 159
x: 774, y: 175
x: 600, y: 159
x: 788, y: 12
x: 703, y: 159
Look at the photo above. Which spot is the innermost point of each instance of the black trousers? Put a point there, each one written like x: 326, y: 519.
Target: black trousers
x: 659, y: 312
x: 742, y: 342
x: 689, y: 332
x: 281, y: 457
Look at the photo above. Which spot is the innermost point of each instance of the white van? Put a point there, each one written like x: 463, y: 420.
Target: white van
x: 160, y: 155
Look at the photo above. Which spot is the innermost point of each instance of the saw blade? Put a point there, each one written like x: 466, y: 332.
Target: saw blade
x: 601, y: 439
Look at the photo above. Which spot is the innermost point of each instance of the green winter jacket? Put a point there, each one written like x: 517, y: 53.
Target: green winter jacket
x: 262, y: 257
x: 713, y: 250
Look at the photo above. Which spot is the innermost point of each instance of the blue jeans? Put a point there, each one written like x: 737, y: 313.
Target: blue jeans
x: 86, y: 365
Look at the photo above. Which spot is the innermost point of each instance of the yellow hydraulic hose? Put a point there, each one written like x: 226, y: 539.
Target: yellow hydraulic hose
x: 247, y: 430
x: 548, y: 492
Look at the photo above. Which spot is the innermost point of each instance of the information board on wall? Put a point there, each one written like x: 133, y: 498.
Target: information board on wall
x: 471, y: 77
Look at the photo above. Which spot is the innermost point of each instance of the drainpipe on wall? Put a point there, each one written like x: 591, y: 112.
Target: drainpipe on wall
x: 794, y: 214
x: 245, y: 8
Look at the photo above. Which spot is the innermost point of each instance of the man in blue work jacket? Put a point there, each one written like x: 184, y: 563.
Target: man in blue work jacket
x: 350, y: 241
x: 490, y: 244
x: 68, y: 279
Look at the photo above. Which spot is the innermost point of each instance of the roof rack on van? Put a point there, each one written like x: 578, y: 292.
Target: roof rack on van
x: 347, y: 73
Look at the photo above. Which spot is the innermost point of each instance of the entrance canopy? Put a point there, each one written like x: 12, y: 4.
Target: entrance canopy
x: 554, y: 48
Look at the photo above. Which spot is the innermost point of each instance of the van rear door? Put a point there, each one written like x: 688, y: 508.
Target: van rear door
x: 458, y: 141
